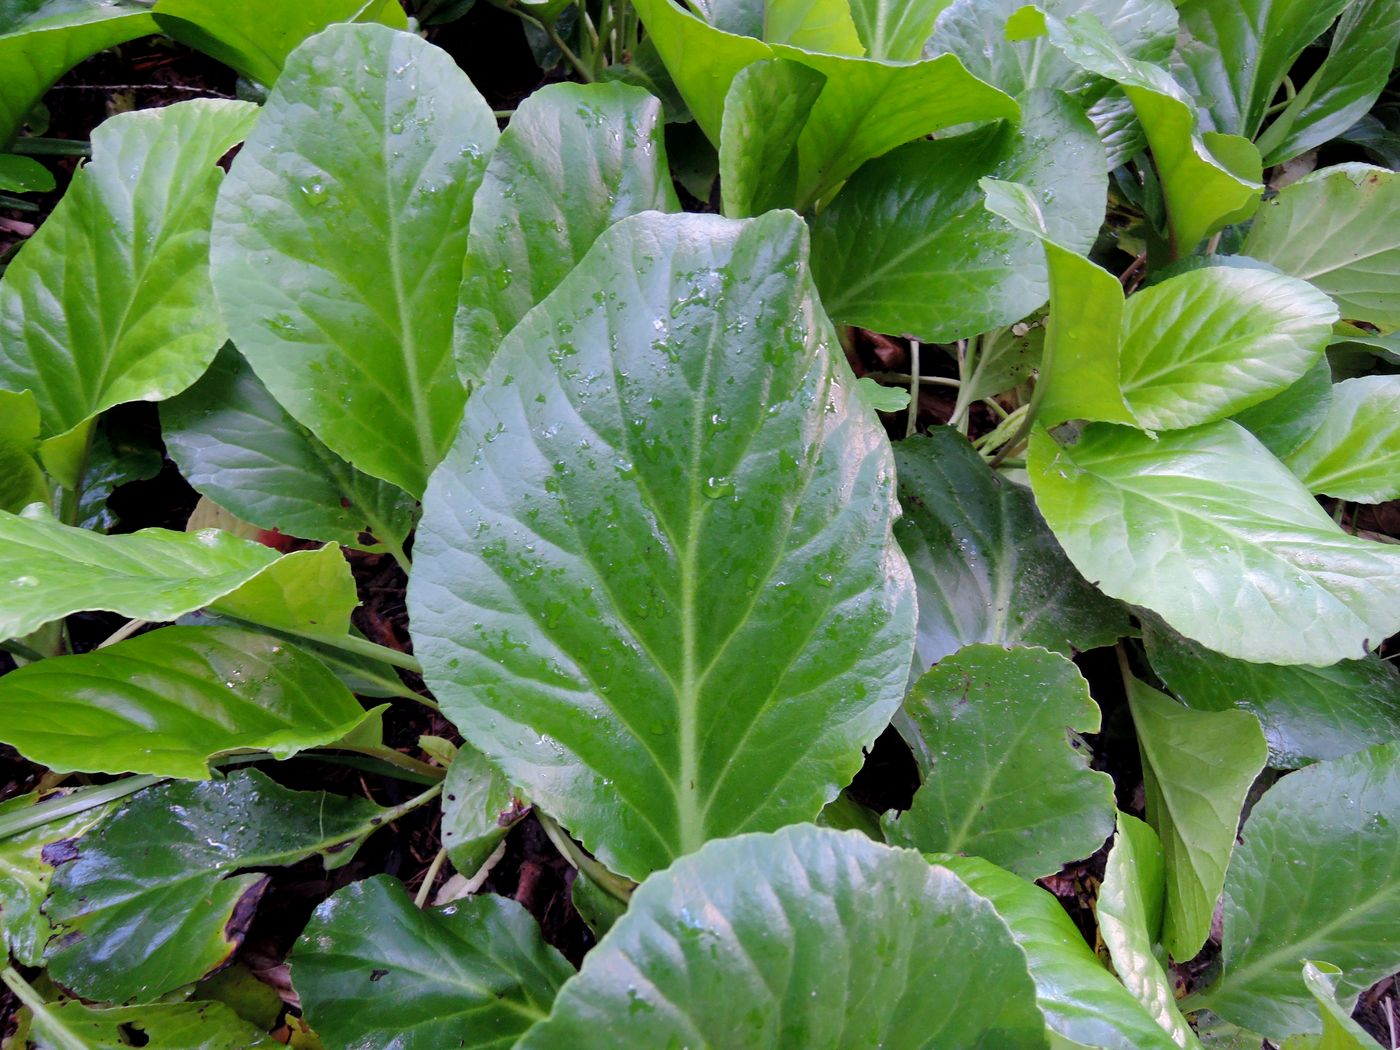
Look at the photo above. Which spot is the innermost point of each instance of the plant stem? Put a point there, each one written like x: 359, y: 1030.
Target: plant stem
x: 579, y: 67
x: 420, y: 899
x: 373, y: 651
x: 911, y: 423
x: 70, y: 805
x: 405, y: 808
x: 122, y: 633
x: 902, y: 377
x: 45, y: 147
x: 613, y: 885
x: 58, y: 1034
x: 431, y: 774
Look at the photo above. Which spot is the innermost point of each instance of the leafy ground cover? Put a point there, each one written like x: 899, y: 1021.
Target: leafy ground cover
x: 841, y: 524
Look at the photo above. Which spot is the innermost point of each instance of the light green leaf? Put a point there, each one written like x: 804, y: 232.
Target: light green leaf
x: 1355, y: 453
x: 813, y: 25
x: 1208, y: 530
x: 71, y: 1025
x: 906, y: 249
x: 338, y: 244
x: 895, y: 30
x: 152, y: 903
x: 21, y: 480
x: 986, y: 566
x: 1282, y: 422
x: 51, y: 570
x: 766, y: 940
x: 882, y: 398
x: 310, y: 594
x: 1197, y: 767
x: 1130, y: 916
x: 1359, y: 59
x: 170, y: 701
x: 1338, y: 228
x: 235, y: 444
x: 1006, y: 776
x: 478, y: 810
x: 630, y: 567
x: 110, y: 301
x: 574, y: 159
x: 374, y: 971
x: 765, y: 110
x: 40, y: 40
x: 1080, y: 998
x: 1339, y: 1031
x: 1317, y: 876
x: 256, y: 36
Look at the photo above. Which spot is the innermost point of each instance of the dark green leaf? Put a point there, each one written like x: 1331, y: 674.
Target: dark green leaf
x: 24, y: 175
x: 164, y: 1026
x: 1282, y: 422
x: 1339, y: 1031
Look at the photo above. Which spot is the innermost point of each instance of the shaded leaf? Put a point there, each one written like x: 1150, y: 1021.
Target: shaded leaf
x: 1355, y: 453
x: 765, y: 109
x: 71, y: 1025
x: 478, y: 810
x: 1339, y: 1031
x: 1286, y: 419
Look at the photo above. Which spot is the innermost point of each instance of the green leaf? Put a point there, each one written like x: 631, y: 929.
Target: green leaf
x: 27, y: 862
x: 905, y: 247
x: 71, y: 1025
x: 1211, y: 532
x: 235, y: 444
x: 24, y: 175
x: 110, y: 301
x: 1346, y: 85
x: 1317, y: 876
x: 995, y: 733
x: 574, y: 159
x: 52, y: 570
x: 1237, y: 53
x: 628, y: 603
x: 1130, y: 914
x: 310, y: 594
x: 170, y: 701
x: 1338, y: 228
x: 338, y: 244
x: 895, y: 30
x: 767, y: 940
x: 151, y: 902
x: 40, y: 40
x: 986, y: 566
x: 1307, y: 713
x: 1286, y: 419
x: 478, y: 810
x: 373, y: 970
x: 1116, y: 122
x: 118, y: 454
x: 1080, y: 998
x: 882, y: 398
x: 1339, y: 1031
x: 1355, y: 453
x: 255, y: 37
x: 1197, y: 767
x: 21, y: 480
x: 765, y: 110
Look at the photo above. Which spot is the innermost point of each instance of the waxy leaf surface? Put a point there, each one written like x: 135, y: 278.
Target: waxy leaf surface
x: 1339, y: 1031
x: 765, y: 110
x: 1355, y: 453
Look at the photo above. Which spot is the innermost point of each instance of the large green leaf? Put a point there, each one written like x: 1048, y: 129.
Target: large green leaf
x: 1080, y: 998
x: 110, y: 301
x: 478, y: 810
x: 309, y: 594
x: 1130, y: 915
x: 766, y: 108
x: 1338, y: 228
x: 906, y: 248
x: 1317, y: 876
x: 574, y: 159
x: 256, y: 36
x: 1359, y: 59
x: 52, y: 570
x: 1197, y: 767
x: 895, y: 30
x: 1339, y: 1031
x: 151, y: 902
x: 170, y: 701
x: 1284, y: 420
x: 632, y: 567
x: 768, y: 940
x: 1307, y: 713
x: 71, y: 1025
x: 1005, y: 774
x: 1237, y: 53
x: 986, y: 565
x: 1208, y: 530
x: 372, y: 970
x: 40, y: 40
x: 235, y: 444
x: 1355, y: 454
x: 338, y: 244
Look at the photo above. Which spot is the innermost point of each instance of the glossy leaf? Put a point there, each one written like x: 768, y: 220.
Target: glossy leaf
x: 630, y: 567
x: 895, y: 30
x: 338, y: 244
x: 1208, y: 530
x: 573, y: 160
x: 765, y: 110
x: 986, y: 566
x: 1355, y: 453
x: 1335, y: 819
x: 71, y: 1025
x: 235, y: 444
x: 256, y: 36
x: 1197, y: 767
x: 21, y: 479
x: 152, y: 903
x: 1286, y: 419
x: 1130, y: 915
x: 712, y: 952
x: 170, y: 701
x: 1005, y: 774
x: 1080, y: 998
x: 310, y: 594
x: 372, y: 970
x: 24, y: 175
x: 110, y: 300
x: 1307, y: 713
x: 1338, y: 229
x: 906, y: 248
x: 40, y: 40
x: 52, y: 570
x: 478, y: 810
x: 1339, y: 1031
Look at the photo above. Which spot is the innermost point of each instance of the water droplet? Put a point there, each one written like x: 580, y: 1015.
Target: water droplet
x: 716, y: 487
